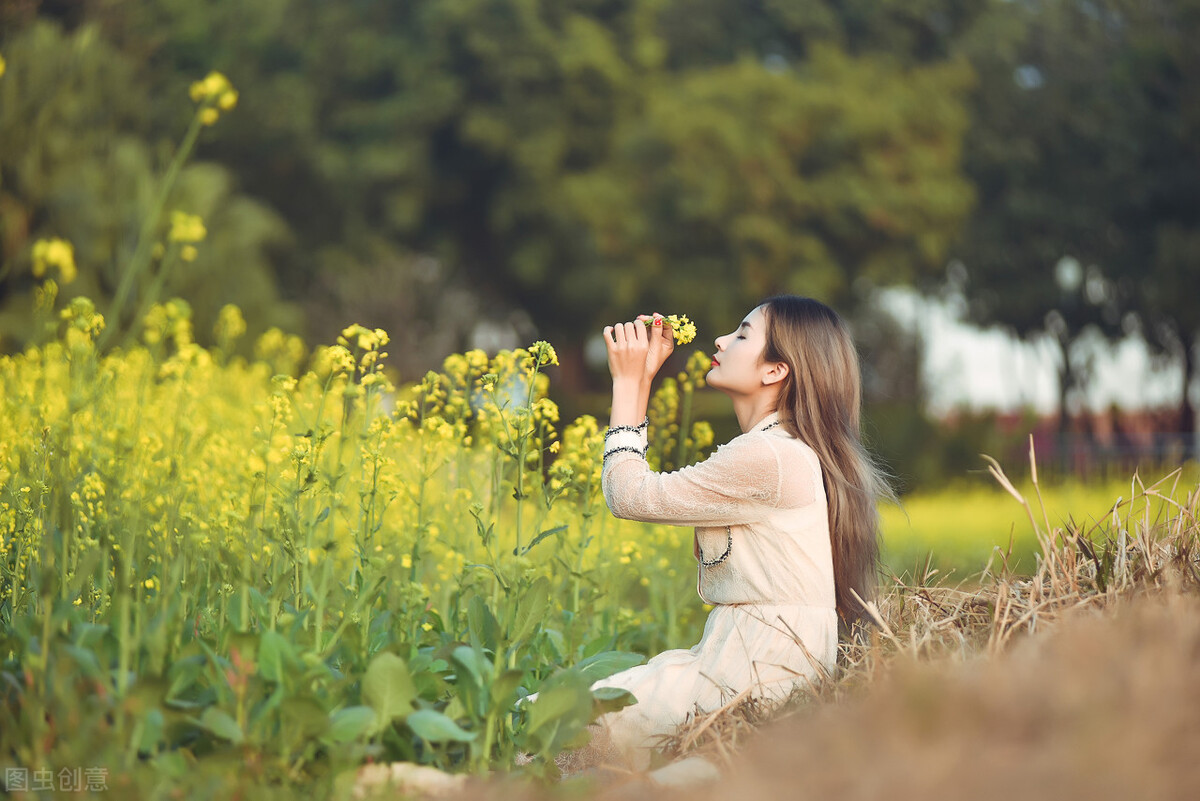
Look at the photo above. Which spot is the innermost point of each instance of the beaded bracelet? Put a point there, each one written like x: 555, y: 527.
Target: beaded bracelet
x: 639, y: 428
x: 625, y: 449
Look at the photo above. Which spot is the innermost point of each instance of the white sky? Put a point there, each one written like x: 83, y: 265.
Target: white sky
x: 987, y: 369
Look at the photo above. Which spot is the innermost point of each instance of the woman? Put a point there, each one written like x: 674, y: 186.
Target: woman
x: 786, y: 527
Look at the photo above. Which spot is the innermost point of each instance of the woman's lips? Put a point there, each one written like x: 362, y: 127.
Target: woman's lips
x: 715, y: 362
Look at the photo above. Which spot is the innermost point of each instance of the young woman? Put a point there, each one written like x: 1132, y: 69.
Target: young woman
x: 786, y: 531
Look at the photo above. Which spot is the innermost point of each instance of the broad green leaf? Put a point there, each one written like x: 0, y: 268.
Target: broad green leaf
x: 274, y: 654
x: 562, y: 710
x: 350, y: 724
x: 504, y: 689
x: 222, y: 725
x: 475, y: 663
x: 610, y: 699
x: 388, y: 688
x: 531, y: 609
x: 606, y: 663
x: 152, y: 731
x: 482, y: 625
x: 85, y: 659
x: 183, y: 674
x: 431, y: 725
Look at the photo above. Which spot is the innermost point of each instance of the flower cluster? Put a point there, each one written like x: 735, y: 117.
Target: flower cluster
x: 213, y: 93
x: 543, y: 352
x: 54, y: 253
x: 187, y: 229
x: 683, y: 329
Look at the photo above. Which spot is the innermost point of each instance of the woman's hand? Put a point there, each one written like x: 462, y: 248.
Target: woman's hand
x: 628, y: 345
x: 636, y: 351
x: 662, y: 343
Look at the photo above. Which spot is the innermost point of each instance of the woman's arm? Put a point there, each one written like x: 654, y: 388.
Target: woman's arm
x: 742, y: 482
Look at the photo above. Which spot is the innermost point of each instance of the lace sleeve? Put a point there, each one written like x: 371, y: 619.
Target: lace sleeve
x: 740, y: 483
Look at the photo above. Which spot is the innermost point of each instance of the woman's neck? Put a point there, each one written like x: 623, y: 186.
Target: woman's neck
x: 751, y: 409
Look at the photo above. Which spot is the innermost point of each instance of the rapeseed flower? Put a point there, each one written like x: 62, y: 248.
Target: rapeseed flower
x: 231, y: 325
x: 2, y: 66
x: 56, y: 253
x: 214, y: 94
x: 683, y: 329
x: 187, y: 228
x: 543, y: 353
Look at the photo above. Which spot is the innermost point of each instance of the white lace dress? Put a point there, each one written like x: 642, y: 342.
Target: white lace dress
x: 765, y: 562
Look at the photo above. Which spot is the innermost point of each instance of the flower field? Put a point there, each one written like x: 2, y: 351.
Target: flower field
x: 205, y: 558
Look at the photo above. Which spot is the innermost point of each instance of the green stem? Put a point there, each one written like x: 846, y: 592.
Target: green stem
x: 141, y: 254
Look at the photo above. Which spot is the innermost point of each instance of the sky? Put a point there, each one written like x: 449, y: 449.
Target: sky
x: 988, y: 369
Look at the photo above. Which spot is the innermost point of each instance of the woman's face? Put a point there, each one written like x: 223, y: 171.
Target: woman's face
x: 738, y: 367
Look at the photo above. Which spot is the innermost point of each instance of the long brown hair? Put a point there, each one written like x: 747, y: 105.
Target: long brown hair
x: 821, y: 404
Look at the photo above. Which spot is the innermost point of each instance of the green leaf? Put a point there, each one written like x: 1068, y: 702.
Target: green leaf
x: 531, y: 609
x: 482, y: 625
x: 350, y: 723
x: 222, y: 725
x: 504, y: 689
x: 431, y: 725
x: 474, y: 662
x: 85, y: 659
x: 388, y: 688
x: 274, y: 653
x: 183, y: 674
x: 610, y: 699
x: 562, y: 710
x: 604, y: 664
x: 550, y: 532
x: 152, y: 731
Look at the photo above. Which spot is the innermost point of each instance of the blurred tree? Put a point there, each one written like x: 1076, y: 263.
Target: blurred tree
x: 1043, y: 152
x: 75, y: 163
x: 577, y: 159
x: 1154, y: 239
x: 739, y: 182
x: 1084, y: 152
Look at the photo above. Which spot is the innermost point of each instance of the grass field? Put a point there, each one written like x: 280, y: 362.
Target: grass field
x: 958, y: 530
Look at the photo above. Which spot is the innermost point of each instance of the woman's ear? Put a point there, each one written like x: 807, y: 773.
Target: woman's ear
x: 775, y: 372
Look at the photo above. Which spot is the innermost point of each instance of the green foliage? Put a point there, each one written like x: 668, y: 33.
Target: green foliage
x: 78, y: 161
x: 1082, y: 149
x: 697, y: 153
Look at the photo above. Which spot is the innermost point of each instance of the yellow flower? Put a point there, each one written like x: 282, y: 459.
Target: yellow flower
x: 231, y: 325
x: 214, y: 89
x: 2, y: 66
x: 56, y: 253
x: 683, y: 329
x: 186, y: 227
x: 406, y: 560
x: 543, y: 352
x: 188, y: 253
x: 209, y: 116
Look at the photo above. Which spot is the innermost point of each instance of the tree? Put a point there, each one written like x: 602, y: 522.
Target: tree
x: 1044, y: 151
x: 551, y: 156
x: 1084, y: 151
